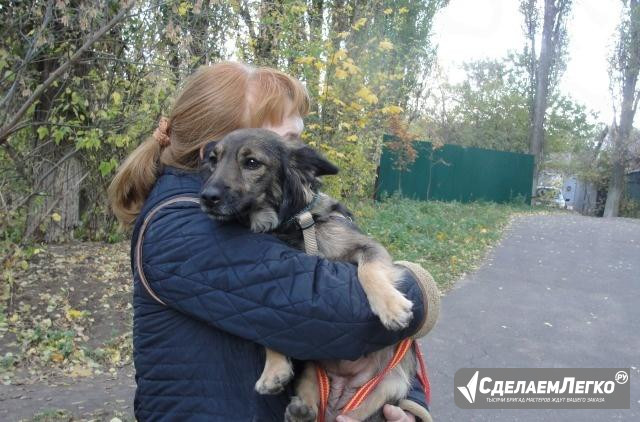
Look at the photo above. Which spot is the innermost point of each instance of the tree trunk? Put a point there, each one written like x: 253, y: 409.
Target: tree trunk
x: 270, y: 11
x: 315, y: 38
x: 536, y: 135
x: 629, y: 67
x: 53, y: 215
x: 616, y: 188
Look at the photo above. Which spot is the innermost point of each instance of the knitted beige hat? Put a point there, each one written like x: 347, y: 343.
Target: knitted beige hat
x: 431, y: 293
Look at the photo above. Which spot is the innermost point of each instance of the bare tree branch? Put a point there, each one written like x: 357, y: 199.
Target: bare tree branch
x: 31, y: 52
x: 9, y: 128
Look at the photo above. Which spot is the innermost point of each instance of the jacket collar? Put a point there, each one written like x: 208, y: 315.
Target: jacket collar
x: 171, y: 181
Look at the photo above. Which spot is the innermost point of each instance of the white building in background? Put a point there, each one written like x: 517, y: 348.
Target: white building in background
x: 580, y: 195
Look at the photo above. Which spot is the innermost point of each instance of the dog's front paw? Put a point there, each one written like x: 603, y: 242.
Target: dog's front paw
x: 394, y: 310
x: 274, y: 383
x: 298, y: 411
x: 263, y: 221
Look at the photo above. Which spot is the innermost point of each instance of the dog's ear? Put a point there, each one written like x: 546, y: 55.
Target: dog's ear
x: 292, y: 192
x: 311, y: 161
x: 205, y: 166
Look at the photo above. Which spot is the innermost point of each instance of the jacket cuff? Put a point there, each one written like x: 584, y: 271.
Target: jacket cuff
x: 430, y: 296
x: 415, y: 409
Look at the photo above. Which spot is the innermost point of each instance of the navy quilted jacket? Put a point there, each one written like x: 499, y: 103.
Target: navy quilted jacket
x: 228, y: 293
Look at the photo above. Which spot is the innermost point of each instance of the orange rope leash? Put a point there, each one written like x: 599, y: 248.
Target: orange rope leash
x: 423, y: 376
x: 364, y: 391
x: 323, y: 386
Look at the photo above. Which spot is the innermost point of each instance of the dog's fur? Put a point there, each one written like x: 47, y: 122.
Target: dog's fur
x: 258, y: 178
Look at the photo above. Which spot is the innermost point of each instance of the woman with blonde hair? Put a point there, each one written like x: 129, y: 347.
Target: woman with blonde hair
x: 208, y: 296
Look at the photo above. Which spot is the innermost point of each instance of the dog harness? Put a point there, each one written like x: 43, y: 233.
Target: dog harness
x: 363, y: 392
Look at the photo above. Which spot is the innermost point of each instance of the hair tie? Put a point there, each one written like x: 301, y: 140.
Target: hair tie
x: 161, y: 134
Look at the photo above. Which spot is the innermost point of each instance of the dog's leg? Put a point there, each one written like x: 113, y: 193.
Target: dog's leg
x: 277, y: 373
x: 378, y: 277
x: 304, y: 406
x: 263, y: 220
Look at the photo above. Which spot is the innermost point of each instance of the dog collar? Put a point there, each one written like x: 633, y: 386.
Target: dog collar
x: 305, y: 221
x: 308, y: 208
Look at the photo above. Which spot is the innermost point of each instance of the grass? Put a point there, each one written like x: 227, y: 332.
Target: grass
x: 446, y: 238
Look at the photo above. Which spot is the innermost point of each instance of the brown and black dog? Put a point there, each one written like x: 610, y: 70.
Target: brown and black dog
x: 256, y: 177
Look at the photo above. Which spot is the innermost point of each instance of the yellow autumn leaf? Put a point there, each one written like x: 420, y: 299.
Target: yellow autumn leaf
x: 343, y: 35
x: 79, y: 371
x: 339, y: 55
x: 440, y: 236
x: 56, y: 217
x: 183, y: 8
x: 359, y: 23
x: 115, y: 356
x: 392, y: 109
x: 340, y: 103
x: 403, y: 10
x: 350, y: 67
x: 74, y: 314
x: 385, y: 45
x: 341, y: 74
x: 57, y: 357
x: 355, y: 106
x: 352, y: 138
x: 387, y: 11
x: 299, y: 9
x: 305, y: 60
x: 366, y: 94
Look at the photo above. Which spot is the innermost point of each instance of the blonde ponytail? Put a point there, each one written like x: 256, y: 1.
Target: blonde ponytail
x: 133, y: 181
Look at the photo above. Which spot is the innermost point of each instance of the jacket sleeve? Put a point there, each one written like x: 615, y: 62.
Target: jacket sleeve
x: 416, y: 402
x: 256, y: 287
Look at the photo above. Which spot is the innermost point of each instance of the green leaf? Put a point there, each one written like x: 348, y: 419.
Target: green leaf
x: 117, y: 98
x: 106, y: 167
x: 43, y: 131
x: 58, y: 135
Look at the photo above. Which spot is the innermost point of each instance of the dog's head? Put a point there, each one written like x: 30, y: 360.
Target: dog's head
x: 256, y: 169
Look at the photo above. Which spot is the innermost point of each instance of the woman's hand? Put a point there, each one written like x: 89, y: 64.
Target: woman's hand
x: 391, y: 413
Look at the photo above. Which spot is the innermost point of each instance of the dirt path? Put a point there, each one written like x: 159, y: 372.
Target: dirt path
x: 100, y: 398
x: 559, y: 291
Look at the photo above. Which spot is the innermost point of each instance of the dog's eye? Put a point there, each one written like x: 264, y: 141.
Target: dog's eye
x: 213, y: 160
x: 251, y: 164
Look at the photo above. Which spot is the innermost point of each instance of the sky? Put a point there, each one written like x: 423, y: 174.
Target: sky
x: 474, y: 29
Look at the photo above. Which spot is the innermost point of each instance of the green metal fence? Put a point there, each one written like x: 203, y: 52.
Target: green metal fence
x: 454, y: 173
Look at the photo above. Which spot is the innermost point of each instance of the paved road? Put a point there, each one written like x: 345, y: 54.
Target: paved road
x: 559, y: 291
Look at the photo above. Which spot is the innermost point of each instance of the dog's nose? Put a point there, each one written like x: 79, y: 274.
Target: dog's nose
x: 211, y: 194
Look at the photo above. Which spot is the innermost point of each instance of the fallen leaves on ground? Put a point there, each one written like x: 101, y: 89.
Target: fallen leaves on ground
x: 69, y: 313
